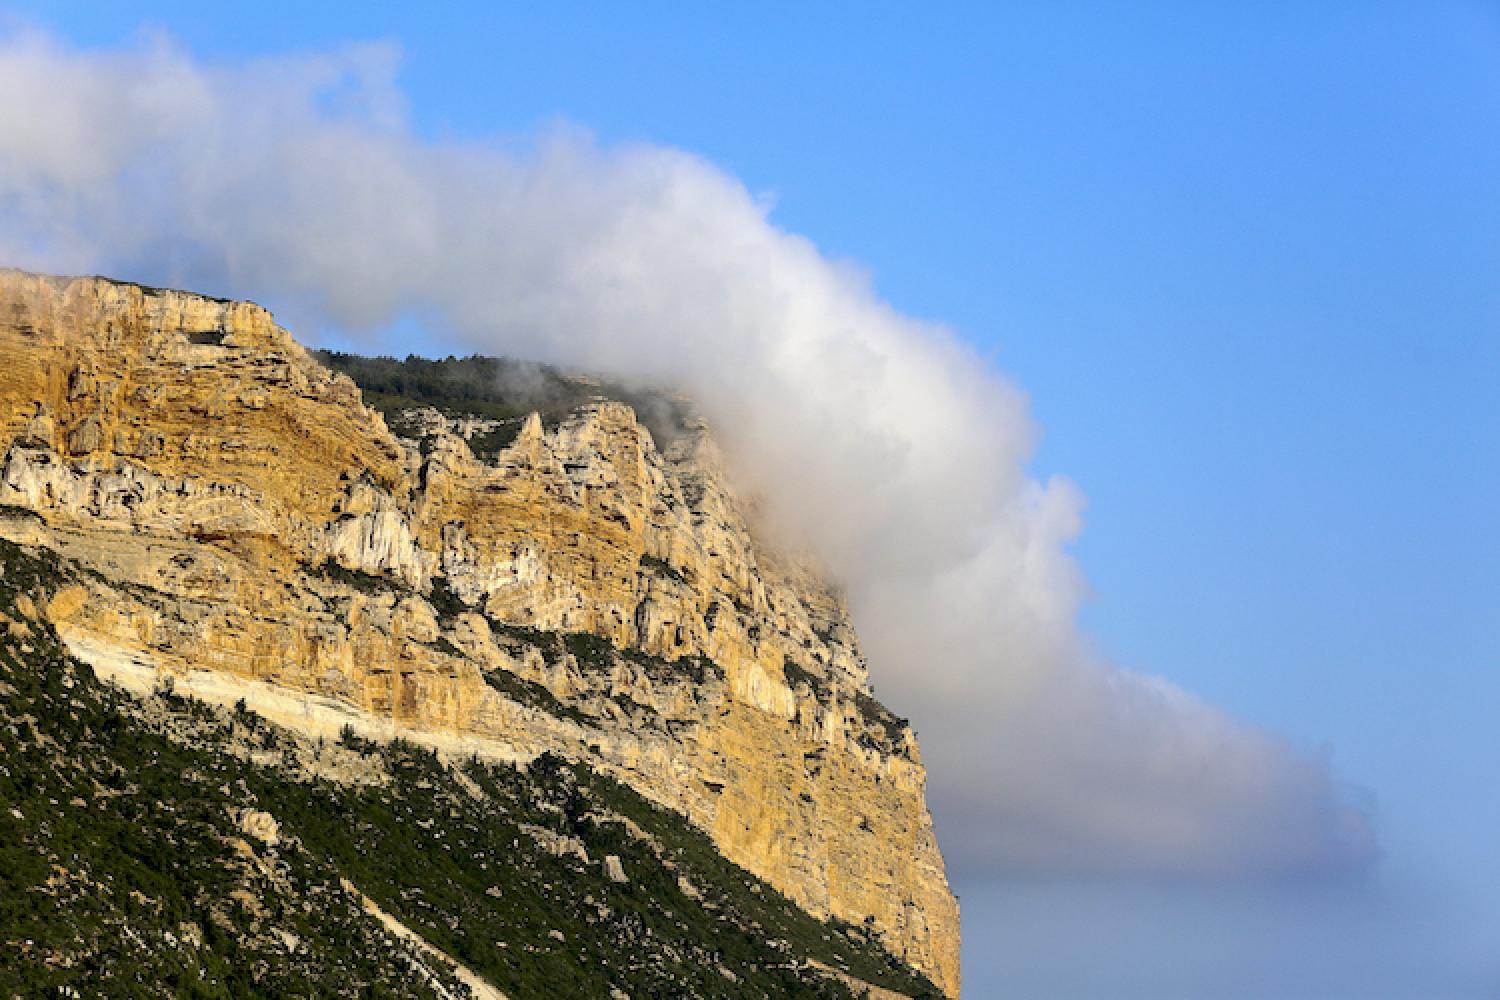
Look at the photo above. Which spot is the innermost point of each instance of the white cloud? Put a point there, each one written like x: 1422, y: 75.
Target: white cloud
x: 884, y: 443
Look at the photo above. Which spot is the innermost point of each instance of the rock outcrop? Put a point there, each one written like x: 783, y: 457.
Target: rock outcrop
x: 253, y: 524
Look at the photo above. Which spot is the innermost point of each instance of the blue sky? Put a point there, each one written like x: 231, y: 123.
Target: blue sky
x: 1245, y: 261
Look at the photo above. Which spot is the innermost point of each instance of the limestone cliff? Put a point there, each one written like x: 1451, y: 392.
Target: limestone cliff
x: 258, y: 532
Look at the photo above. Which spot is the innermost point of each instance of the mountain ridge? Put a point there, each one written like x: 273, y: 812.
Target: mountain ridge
x: 572, y: 590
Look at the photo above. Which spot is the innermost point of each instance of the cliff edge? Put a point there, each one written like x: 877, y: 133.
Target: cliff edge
x: 499, y: 588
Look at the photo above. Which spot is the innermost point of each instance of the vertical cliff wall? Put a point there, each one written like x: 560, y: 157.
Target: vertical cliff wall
x: 259, y: 532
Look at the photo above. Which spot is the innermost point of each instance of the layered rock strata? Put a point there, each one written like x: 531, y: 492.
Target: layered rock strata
x: 583, y: 592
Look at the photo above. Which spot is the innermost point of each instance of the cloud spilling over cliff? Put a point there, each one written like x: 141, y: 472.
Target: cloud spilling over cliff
x: 884, y: 444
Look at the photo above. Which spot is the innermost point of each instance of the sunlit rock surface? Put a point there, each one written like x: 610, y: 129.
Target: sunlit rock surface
x: 260, y: 532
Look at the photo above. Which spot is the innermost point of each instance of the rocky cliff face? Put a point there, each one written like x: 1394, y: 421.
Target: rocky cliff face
x: 257, y: 532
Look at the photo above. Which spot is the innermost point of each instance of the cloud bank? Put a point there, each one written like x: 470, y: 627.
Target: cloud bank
x: 883, y: 443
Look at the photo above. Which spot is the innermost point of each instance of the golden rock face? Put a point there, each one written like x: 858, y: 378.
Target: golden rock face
x: 252, y: 523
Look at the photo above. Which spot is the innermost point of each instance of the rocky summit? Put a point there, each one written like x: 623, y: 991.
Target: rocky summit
x: 449, y: 678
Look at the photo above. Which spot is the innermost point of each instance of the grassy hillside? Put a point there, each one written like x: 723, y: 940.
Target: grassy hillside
x: 125, y: 869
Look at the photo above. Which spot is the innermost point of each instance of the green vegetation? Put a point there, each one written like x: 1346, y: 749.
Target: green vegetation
x: 123, y: 871
x: 533, y: 695
x: 490, y: 443
x: 596, y: 654
x: 550, y: 644
x: 876, y: 714
x: 484, y: 387
x: 445, y: 600
x: 592, y: 653
x: 662, y: 567
x: 700, y: 669
x: 120, y: 873
x: 365, y: 583
x: 498, y: 389
x: 797, y: 674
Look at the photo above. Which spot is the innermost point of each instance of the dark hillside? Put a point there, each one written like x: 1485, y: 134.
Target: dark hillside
x: 127, y: 867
